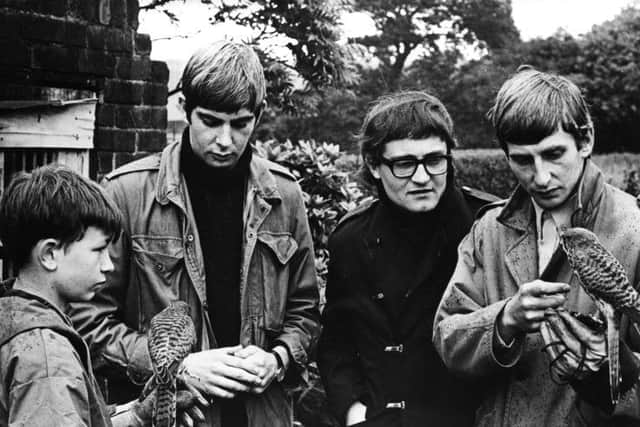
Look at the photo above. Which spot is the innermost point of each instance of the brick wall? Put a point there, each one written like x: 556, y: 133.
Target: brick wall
x: 91, y: 46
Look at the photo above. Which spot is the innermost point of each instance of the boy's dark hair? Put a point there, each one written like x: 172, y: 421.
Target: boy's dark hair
x: 52, y: 202
x: 223, y: 76
x: 533, y: 105
x: 412, y: 115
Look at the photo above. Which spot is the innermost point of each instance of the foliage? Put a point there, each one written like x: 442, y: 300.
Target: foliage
x: 309, y: 28
x: 329, y: 188
x: 434, y: 26
x: 609, y: 70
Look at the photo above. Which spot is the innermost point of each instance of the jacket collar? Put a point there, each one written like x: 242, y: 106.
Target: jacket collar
x: 518, y: 212
x: 170, y: 180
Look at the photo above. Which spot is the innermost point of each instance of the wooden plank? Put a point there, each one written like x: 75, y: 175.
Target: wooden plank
x: 67, y: 126
x: 78, y: 160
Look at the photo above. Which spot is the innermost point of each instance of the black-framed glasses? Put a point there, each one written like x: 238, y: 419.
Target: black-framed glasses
x: 405, y: 167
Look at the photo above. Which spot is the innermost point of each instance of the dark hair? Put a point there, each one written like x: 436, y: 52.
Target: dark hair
x: 224, y: 76
x: 533, y: 105
x: 412, y: 115
x: 52, y: 202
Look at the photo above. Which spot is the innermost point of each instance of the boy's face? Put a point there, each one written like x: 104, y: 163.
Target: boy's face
x: 218, y: 138
x: 550, y: 169
x: 420, y: 192
x: 82, y: 265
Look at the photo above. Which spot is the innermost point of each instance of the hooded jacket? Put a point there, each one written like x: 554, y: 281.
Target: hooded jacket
x: 45, y: 370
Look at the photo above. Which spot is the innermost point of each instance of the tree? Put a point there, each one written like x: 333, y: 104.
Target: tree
x: 433, y: 26
x: 608, y: 69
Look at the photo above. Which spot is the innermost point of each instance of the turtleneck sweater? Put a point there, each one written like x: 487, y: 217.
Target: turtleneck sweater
x: 217, y: 198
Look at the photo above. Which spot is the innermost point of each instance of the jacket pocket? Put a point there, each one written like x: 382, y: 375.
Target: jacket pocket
x: 276, y: 249
x: 159, y: 261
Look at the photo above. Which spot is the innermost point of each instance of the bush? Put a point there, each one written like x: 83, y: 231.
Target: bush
x: 326, y: 176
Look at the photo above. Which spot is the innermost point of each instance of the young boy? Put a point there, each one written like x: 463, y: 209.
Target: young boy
x: 55, y: 226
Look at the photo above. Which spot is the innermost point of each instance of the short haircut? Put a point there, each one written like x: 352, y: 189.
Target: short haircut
x: 533, y: 105
x: 52, y: 202
x: 402, y: 115
x: 223, y: 76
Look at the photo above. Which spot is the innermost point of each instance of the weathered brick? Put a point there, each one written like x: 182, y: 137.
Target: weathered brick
x: 104, y: 11
x: 136, y: 68
x: 10, y: 25
x: 123, y: 158
x: 123, y: 92
x: 53, y: 7
x: 143, y: 44
x: 15, y: 52
x: 159, y: 118
x: 134, y: 117
x: 115, y: 40
x: 55, y: 58
x: 159, y: 72
x: 114, y: 139
x: 104, y: 160
x: 118, y: 13
x: 151, y: 140
x: 96, y: 37
x: 155, y: 94
x: 132, y: 13
x: 76, y: 34
x: 106, y: 115
x: 96, y: 62
x: 42, y: 28
x: 87, y: 10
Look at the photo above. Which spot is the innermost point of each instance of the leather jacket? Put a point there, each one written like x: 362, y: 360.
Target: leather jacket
x: 159, y: 259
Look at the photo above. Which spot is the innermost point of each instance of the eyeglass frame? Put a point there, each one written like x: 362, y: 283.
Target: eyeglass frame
x: 390, y: 162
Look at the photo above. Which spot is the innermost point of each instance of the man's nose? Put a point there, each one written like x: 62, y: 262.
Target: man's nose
x: 542, y: 176
x: 224, y: 136
x: 420, y: 176
x: 107, y: 264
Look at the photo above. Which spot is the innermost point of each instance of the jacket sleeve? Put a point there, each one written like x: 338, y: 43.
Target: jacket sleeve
x: 112, y: 343
x: 301, y: 325
x: 45, y: 379
x: 337, y: 356
x: 464, y: 327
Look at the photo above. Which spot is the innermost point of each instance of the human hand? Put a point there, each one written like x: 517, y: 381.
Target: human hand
x: 263, y: 362
x: 190, y: 404
x: 219, y: 372
x: 526, y: 309
x: 574, y: 349
x: 356, y: 413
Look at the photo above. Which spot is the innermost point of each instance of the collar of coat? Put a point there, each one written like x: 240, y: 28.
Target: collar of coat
x: 169, y: 182
x: 518, y: 212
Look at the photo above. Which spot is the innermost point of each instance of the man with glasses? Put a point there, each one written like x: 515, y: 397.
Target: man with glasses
x: 506, y: 316
x: 390, y: 262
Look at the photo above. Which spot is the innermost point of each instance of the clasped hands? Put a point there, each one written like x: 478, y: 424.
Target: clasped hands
x: 225, y: 372
x: 574, y: 349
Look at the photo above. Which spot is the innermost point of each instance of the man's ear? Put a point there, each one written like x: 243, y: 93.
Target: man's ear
x: 373, y: 169
x: 46, y: 253
x: 585, y: 147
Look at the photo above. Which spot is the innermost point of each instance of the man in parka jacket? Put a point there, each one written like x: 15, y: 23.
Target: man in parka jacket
x: 209, y: 223
x: 390, y: 261
x: 511, y: 278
